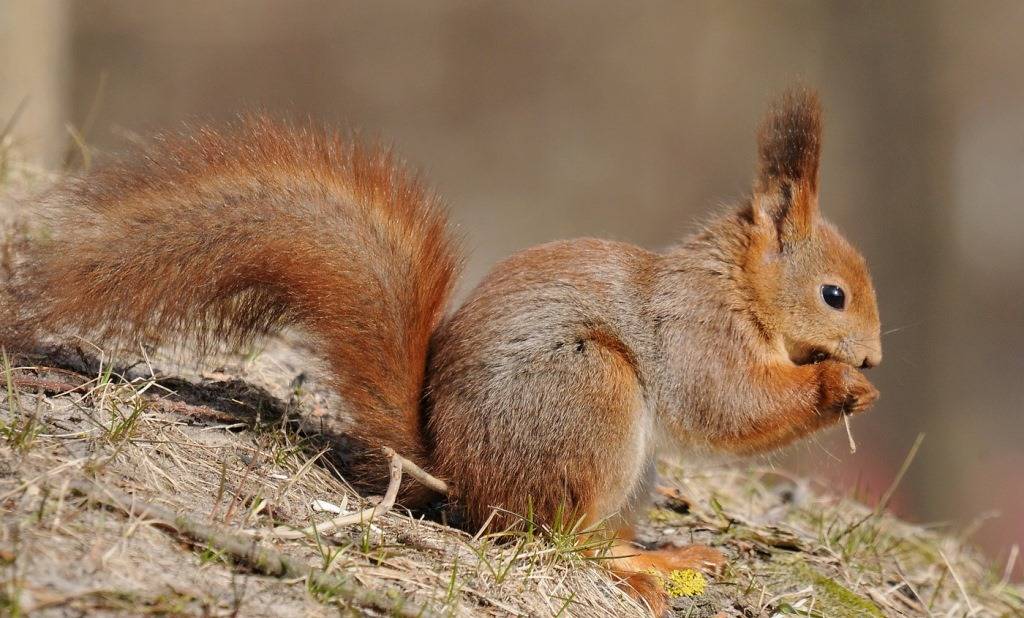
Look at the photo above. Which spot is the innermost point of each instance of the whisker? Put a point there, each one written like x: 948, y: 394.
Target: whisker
x: 864, y: 342
x: 899, y: 328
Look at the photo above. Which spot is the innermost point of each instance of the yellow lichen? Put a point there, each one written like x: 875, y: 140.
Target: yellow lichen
x: 682, y: 583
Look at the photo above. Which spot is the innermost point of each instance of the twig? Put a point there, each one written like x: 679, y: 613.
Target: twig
x: 398, y: 464
x: 849, y: 434
x: 363, y: 516
x: 428, y: 480
x: 252, y: 554
x: 381, y: 507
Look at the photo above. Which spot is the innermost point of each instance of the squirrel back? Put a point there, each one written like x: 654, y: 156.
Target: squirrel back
x: 221, y: 237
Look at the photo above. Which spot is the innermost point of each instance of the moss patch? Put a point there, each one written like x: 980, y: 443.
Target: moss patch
x: 834, y: 599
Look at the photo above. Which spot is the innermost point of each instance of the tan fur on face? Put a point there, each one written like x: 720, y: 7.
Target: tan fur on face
x: 793, y: 251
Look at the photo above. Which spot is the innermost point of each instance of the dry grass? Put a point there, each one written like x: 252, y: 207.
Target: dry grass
x: 241, y: 448
x: 243, y: 464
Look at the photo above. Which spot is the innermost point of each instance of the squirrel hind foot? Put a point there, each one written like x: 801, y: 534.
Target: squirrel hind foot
x: 697, y: 557
x: 643, y: 573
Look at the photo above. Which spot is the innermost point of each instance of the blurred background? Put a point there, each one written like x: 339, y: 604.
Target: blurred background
x: 540, y: 121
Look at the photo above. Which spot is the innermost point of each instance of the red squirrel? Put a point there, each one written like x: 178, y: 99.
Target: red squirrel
x: 555, y: 387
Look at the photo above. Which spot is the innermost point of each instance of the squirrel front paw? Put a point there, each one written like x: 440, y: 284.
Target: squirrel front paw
x: 845, y: 389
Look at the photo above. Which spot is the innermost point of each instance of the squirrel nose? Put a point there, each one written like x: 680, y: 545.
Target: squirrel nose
x: 871, y: 360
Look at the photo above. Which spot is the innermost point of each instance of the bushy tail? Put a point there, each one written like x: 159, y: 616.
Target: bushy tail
x: 222, y: 237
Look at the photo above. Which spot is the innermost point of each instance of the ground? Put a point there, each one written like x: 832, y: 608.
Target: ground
x: 238, y: 449
x: 233, y: 449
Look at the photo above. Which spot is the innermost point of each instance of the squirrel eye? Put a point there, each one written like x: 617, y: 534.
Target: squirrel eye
x: 834, y: 296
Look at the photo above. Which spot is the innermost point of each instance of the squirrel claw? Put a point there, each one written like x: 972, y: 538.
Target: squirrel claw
x: 847, y: 390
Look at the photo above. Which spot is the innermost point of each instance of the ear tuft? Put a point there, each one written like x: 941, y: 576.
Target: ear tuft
x: 789, y: 142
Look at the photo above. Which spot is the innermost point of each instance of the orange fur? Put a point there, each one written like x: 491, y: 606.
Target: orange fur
x: 558, y: 383
x: 222, y: 237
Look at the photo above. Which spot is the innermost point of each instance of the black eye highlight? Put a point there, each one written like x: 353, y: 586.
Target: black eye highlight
x: 834, y: 296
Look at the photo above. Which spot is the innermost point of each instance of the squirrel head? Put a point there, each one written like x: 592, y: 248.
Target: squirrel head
x: 811, y: 289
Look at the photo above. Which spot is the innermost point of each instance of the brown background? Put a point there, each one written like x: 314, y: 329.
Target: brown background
x: 632, y: 120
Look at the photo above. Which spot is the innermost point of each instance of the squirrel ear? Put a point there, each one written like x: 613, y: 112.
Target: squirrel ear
x: 789, y: 144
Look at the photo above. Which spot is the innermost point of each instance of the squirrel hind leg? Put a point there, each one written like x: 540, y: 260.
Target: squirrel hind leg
x: 641, y: 572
